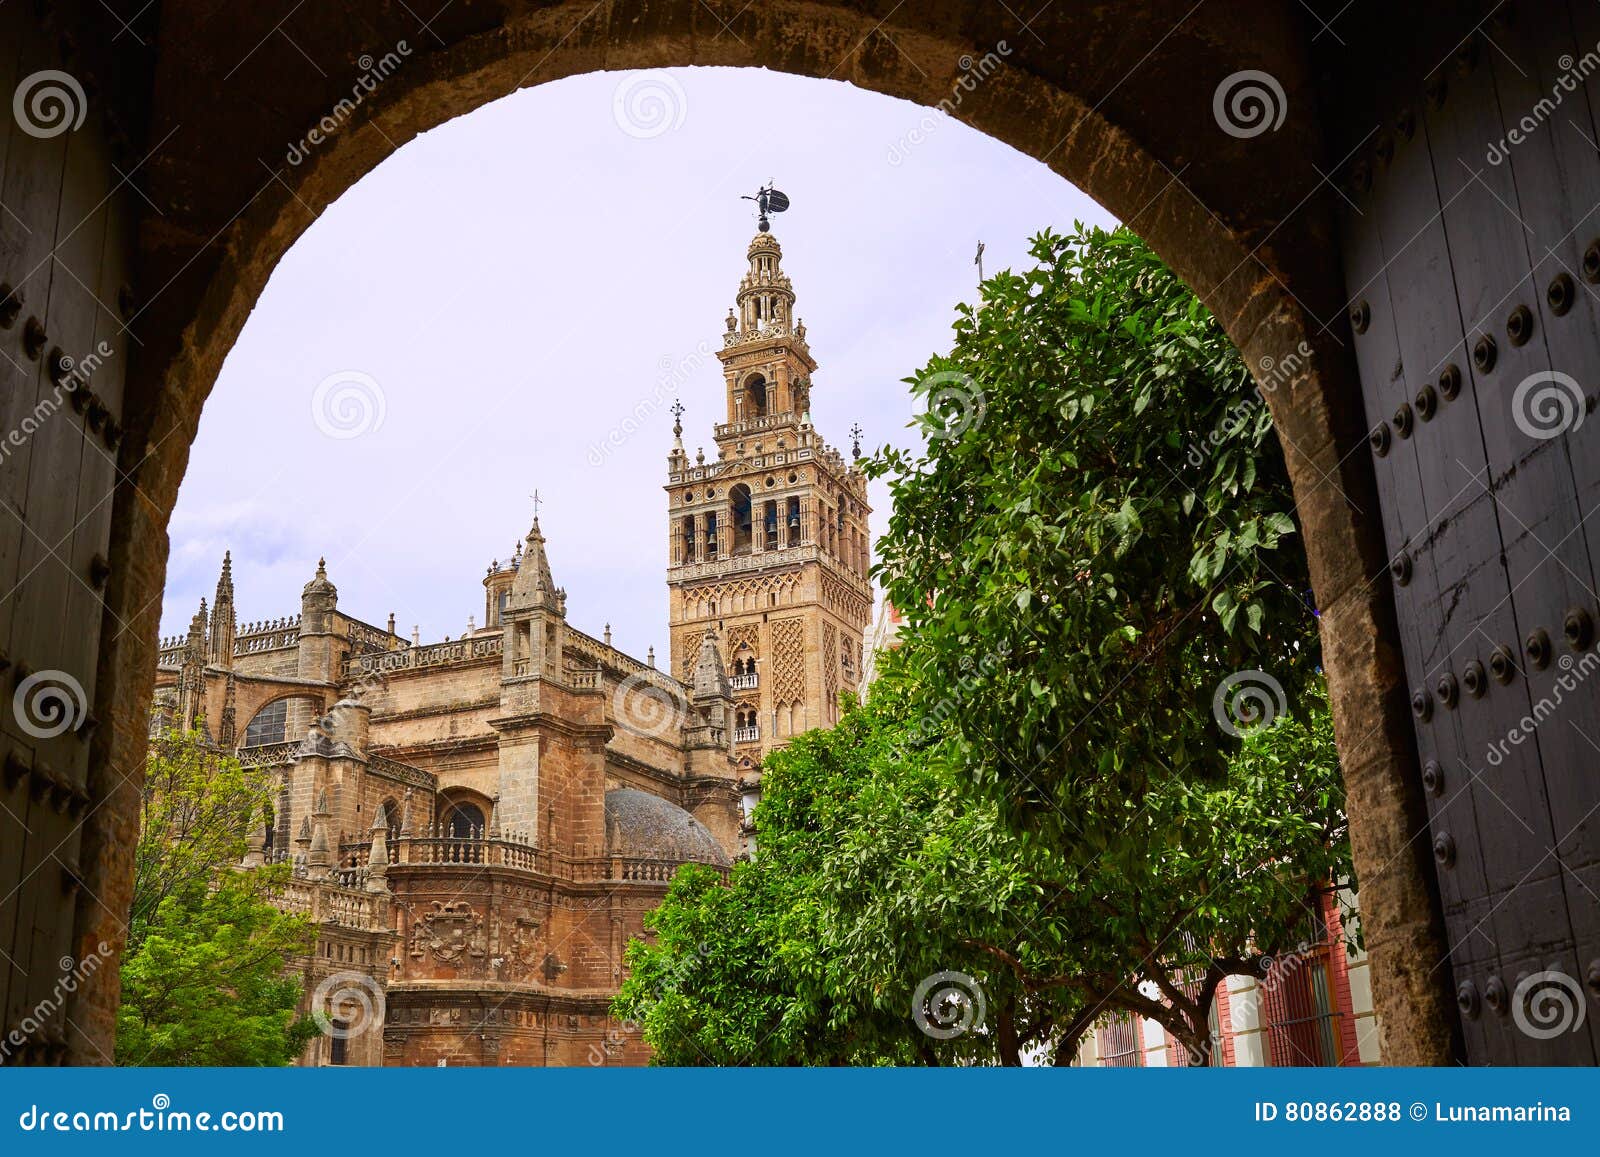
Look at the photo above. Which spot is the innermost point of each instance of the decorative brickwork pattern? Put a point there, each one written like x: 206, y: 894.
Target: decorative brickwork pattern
x: 789, y: 661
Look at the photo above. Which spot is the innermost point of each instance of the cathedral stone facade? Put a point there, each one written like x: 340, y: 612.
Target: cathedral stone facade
x: 478, y: 826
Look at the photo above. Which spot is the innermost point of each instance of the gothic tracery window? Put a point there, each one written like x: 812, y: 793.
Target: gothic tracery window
x: 269, y: 725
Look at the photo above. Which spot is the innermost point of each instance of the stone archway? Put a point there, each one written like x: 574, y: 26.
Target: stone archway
x: 1212, y: 203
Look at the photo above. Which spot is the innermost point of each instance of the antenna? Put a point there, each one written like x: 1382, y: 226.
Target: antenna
x: 768, y: 200
x: 978, y: 261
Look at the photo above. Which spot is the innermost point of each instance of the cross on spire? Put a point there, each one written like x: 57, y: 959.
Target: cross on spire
x: 536, y: 501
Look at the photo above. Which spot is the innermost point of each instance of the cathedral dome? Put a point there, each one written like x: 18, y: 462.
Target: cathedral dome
x: 764, y: 243
x: 646, y: 827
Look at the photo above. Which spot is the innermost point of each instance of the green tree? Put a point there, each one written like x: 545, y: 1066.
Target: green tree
x: 205, y: 977
x: 738, y: 973
x: 928, y: 877
x: 880, y: 867
x: 1104, y: 598
x: 1104, y: 511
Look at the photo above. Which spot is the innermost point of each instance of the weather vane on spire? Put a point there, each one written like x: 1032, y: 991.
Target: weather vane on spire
x: 768, y: 200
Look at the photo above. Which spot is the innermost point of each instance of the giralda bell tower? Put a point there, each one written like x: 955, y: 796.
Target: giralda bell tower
x: 769, y: 543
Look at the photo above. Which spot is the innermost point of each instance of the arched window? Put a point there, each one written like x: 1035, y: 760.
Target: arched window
x: 391, y: 817
x: 755, y: 396
x: 463, y: 821
x: 741, y: 517
x: 269, y: 725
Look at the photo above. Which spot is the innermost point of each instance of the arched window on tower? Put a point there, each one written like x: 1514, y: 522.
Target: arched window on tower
x: 755, y: 396
x: 794, y: 521
x: 769, y: 524
x: 687, y: 545
x: 740, y: 496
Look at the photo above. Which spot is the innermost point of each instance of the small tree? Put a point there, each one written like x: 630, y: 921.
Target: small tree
x: 205, y: 980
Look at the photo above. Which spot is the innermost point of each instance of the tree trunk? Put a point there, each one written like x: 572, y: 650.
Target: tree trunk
x: 1006, y: 1034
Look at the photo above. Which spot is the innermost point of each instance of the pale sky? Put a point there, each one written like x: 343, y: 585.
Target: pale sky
x: 501, y: 296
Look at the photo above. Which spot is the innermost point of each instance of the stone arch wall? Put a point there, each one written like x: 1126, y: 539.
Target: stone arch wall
x: 1212, y: 204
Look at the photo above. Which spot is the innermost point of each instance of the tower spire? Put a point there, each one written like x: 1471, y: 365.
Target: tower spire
x: 773, y: 501
x: 534, y: 586
x: 224, y: 619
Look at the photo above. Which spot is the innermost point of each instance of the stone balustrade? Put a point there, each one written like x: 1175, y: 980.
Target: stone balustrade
x: 515, y: 853
x: 340, y: 900
x: 471, y: 650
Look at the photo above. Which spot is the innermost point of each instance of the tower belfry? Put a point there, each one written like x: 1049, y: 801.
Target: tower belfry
x: 769, y: 543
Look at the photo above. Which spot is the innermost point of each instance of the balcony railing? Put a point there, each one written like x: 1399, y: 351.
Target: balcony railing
x: 747, y: 734
x: 429, y: 850
x: 743, y: 682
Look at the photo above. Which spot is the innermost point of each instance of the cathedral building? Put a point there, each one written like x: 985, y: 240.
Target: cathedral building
x: 478, y: 826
